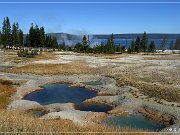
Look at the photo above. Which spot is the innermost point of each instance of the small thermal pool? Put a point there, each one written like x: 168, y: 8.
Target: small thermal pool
x: 60, y: 93
x: 93, y: 107
x: 133, y: 121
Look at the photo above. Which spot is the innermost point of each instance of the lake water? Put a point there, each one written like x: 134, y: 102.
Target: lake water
x: 122, y: 42
x: 133, y: 121
x: 60, y: 93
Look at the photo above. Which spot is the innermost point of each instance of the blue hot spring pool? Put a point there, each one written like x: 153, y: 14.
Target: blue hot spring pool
x: 60, y: 93
x: 133, y: 121
x: 95, y: 107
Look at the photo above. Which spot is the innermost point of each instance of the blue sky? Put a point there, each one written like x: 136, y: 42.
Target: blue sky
x: 95, y: 18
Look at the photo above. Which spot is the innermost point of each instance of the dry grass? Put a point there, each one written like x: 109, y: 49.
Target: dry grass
x: 152, y: 80
x: 107, y: 56
x: 70, y: 68
x: 6, y: 90
x: 12, y: 121
x: 166, y: 92
x: 12, y: 56
x: 45, y: 56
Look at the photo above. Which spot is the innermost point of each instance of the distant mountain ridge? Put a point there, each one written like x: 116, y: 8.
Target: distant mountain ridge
x: 66, y: 36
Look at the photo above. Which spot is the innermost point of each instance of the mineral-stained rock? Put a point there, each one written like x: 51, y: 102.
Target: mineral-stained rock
x: 56, y: 107
x: 118, y: 111
x: 173, y: 128
x: 153, y: 114
x: 25, y: 105
x: 82, y: 118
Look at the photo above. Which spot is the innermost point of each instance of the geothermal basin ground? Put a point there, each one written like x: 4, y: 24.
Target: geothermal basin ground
x: 131, y: 84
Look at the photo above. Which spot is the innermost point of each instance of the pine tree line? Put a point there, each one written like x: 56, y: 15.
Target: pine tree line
x: 13, y: 36
x: 109, y: 47
x: 37, y: 38
x: 175, y: 46
x: 139, y: 45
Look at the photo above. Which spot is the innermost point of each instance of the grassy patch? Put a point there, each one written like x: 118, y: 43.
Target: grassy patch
x: 27, y: 54
x: 6, y: 90
x: 70, y: 68
x: 45, y: 56
x: 166, y: 92
x: 13, y: 57
x: 12, y: 121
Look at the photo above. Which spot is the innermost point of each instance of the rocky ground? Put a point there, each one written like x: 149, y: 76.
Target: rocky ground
x: 136, y: 83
